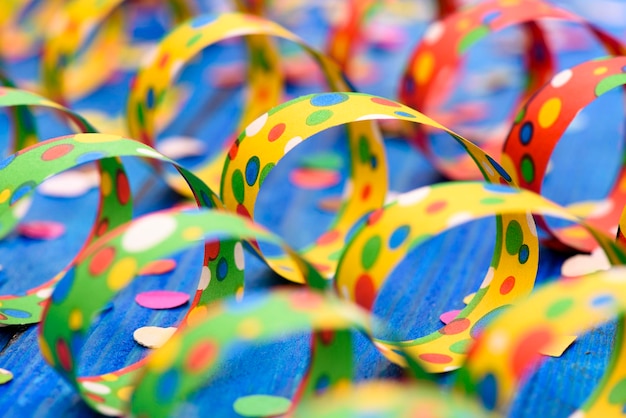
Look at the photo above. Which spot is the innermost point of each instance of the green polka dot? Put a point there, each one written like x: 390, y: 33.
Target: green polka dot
x: 371, y: 249
x: 559, y: 308
x: 520, y: 115
x: 194, y: 39
x: 140, y: 117
x: 461, y: 347
x: 618, y: 393
x: 318, y: 117
x: 492, y: 201
x: 514, y: 237
x: 238, y: 186
x: 609, y: 83
x: 472, y: 37
x: 266, y: 170
x: 335, y: 256
x: 528, y: 169
x: 364, y: 150
x: 261, y: 405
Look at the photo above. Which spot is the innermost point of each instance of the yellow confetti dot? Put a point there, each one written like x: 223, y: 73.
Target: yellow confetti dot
x: 600, y: 70
x: 424, y: 67
x: 193, y: 233
x: 125, y: 393
x: 109, y: 377
x: 549, y: 112
x: 106, y: 184
x: 163, y: 358
x: 121, y: 273
x: 96, y: 138
x: 76, y: 320
x: 196, y: 315
x: 4, y: 195
x: 249, y: 328
x: 46, y: 353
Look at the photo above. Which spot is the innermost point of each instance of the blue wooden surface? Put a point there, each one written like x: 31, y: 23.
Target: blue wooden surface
x: 433, y: 279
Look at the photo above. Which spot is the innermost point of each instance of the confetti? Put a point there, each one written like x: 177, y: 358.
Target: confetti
x: 70, y: 184
x: 161, y: 299
x: 41, y: 230
x: 261, y: 405
x: 153, y: 337
x: 314, y: 179
x: 583, y: 264
x: 158, y: 267
x: 5, y: 376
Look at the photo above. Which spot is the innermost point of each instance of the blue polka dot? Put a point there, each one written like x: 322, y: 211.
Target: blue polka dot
x: 16, y: 313
x: 90, y: 156
x: 488, y: 390
x: 203, y: 20
x: 328, y: 99
x: 399, y: 236
x: 222, y: 269
x: 500, y: 189
x: 77, y: 341
x: 526, y: 133
x: 150, y: 98
x: 524, y: 253
x: 206, y: 199
x: 62, y: 288
x: 167, y: 385
x: 373, y: 161
x: 322, y: 383
x: 499, y: 169
x: 22, y: 191
x: 603, y: 301
x: 491, y: 16
x: 252, y: 170
x: 356, y: 228
x: 404, y: 114
x: 4, y: 163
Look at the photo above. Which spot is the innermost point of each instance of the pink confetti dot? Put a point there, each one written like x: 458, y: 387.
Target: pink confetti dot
x: 161, y: 299
x: 449, y: 316
x: 41, y: 230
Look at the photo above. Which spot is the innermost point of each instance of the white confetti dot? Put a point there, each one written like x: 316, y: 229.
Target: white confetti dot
x: 69, y: 184
x: 153, y: 337
x: 205, y: 278
x: 413, y: 197
x: 434, y: 32
x: 459, y: 218
x: 291, y: 144
x: 488, y: 278
x: 239, y: 256
x: 44, y: 293
x: 148, y: 232
x: 376, y: 116
x: 578, y: 414
x: 97, y: 388
x: 256, y: 126
x: 532, y: 226
x: 177, y: 147
x: 561, y: 78
x: 108, y: 410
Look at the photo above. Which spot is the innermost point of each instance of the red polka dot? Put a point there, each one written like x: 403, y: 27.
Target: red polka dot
x: 364, y: 291
x: 212, y: 249
x: 374, y: 216
x: 326, y: 336
x: 201, y: 356
x: 384, y: 102
x: 63, y: 353
x: 436, y: 206
x: 94, y: 397
x: 526, y: 354
x: 305, y: 300
x: 102, y: 227
x: 101, y: 261
x: 365, y: 193
x: 456, y: 326
x: 163, y: 60
x: 232, y: 152
x: 123, y: 188
x: 158, y: 267
x: 57, y: 151
x: 328, y: 238
x: 507, y: 285
x: 435, y: 358
x: 243, y: 211
x: 3, y: 317
x: 276, y: 132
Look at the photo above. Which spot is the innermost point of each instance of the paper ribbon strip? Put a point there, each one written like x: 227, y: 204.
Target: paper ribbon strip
x: 540, y: 126
x: 265, y: 84
x: 504, y: 354
x: 438, y: 57
x: 390, y: 233
x: 74, y: 24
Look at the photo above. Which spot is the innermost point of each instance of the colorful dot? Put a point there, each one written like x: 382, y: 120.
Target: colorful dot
x: 201, y: 356
x: 121, y: 273
x: 603, y: 301
x: 399, y: 236
x: 202, y: 20
x: 437, y: 206
x: 507, y: 285
x: 618, y: 393
x: 328, y: 99
x: 488, y: 390
x: 276, y: 132
x: 559, y: 308
x: 266, y: 170
x: 365, y: 292
x: 318, y: 117
x: 526, y: 133
x: 22, y: 191
x: 461, y: 347
x: 148, y: 232
x: 222, y: 269
x: 549, y: 112
x: 63, y: 353
x: 435, y: 358
x: 63, y: 287
x: 424, y: 67
x: 526, y: 354
x: 528, y: 169
x: 56, y: 152
x: 167, y: 385
x: 561, y: 78
x: 524, y: 254
x: 385, y: 102
x: 456, y: 326
x: 123, y: 188
x: 252, y: 170
x: 238, y: 186
x: 5, y: 162
x: 514, y: 237
x: 101, y: 261
x: 404, y: 114
x: 371, y: 249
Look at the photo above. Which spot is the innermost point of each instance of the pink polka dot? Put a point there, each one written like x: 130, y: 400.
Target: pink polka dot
x: 57, y: 151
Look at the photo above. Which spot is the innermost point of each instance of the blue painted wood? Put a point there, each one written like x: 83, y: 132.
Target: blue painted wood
x: 433, y: 279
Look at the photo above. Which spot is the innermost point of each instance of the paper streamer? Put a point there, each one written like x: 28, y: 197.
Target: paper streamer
x: 541, y: 124
x: 265, y: 83
x: 505, y: 354
x: 439, y: 54
x: 75, y: 23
